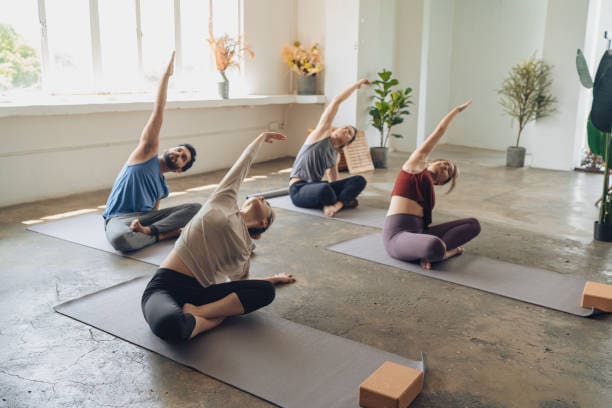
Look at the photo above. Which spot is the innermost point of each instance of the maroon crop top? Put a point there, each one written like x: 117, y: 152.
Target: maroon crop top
x: 418, y: 187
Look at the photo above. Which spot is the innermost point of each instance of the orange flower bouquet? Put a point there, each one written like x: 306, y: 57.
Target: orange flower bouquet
x: 227, y: 51
x: 305, y: 62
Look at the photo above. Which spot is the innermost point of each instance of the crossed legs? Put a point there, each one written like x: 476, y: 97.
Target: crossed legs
x: 331, y: 197
x: 178, y: 308
x: 130, y: 232
x: 405, y: 238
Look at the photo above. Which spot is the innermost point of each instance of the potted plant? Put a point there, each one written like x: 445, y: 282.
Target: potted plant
x: 227, y: 51
x: 306, y: 63
x: 599, y: 129
x: 525, y: 96
x: 390, y: 103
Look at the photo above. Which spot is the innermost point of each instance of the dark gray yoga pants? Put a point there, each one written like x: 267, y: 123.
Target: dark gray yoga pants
x: 122, y: 238
x: 406, y: 239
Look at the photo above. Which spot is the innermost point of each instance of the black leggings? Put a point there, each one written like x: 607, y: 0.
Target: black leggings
x: 318, y: 194
x: 167, y: 292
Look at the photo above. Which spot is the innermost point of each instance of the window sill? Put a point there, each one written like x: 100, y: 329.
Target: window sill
x: 80, y: 104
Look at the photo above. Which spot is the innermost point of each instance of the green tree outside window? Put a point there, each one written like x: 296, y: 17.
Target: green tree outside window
x: 19, y: 64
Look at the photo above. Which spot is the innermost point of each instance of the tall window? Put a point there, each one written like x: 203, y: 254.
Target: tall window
x: 108, y: 46
x: 20, y: 63
x: 120, y: 71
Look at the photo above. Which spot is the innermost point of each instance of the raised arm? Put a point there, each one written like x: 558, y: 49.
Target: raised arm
x: 148, y: 146
x: 327, y: 118
x: 419, y: 156
x: 227, y: 191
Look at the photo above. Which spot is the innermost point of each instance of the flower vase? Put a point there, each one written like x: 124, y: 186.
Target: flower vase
x: 223, y: 86
x: 307, y: 85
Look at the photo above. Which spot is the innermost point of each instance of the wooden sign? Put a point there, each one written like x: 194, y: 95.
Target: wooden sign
x: 357, y: 155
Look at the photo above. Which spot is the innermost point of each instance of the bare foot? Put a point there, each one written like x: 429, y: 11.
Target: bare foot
x: 453, y: 252
x: 331, y: 210
x: 202, y: 323
x: 425, y: 264
x: 136, y: 226
x: 281, y: 278
x: 188, y: 308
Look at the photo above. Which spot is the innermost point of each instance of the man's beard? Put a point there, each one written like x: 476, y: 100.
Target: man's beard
x: 169, y: 163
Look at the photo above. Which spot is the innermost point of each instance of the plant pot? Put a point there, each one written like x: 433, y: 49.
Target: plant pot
x: 307, y: 85
x: 380, y: 156
x: 223, y: 89
x: 515, y: 156
x: 602, y: 232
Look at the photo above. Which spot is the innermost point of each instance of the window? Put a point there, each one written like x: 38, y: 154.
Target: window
x: 70, y: 68
x: 120, y: 70
x: 108, y: 46
x: 20, y: 62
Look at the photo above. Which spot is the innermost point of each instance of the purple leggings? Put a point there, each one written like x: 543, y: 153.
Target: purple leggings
x: 406, y: 239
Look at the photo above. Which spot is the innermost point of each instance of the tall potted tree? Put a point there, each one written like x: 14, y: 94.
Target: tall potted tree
x: 599, y: 131
x: 525, y: 96
x: 390, y: 103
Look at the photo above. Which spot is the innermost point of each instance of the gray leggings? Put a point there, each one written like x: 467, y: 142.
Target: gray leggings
x: 406, y: 239
x: 122, y: 238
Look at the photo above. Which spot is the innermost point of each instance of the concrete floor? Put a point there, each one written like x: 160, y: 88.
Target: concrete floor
x: 483, y: 350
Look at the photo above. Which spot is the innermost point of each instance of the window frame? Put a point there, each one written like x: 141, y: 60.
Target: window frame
x: 96, y: 47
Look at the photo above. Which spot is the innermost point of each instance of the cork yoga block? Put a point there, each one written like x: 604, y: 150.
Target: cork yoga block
x: 598, y: 296
x: 391, y: 386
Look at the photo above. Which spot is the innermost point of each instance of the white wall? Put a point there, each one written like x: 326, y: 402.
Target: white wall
x: 269, y: 25
x: 342, y: 36
x: 51, y: 156
x: 407, y: 69
x: 489, y: 37
x: 375, y: 51
x: 310, y: 29
x: 552, y: 144
x: 438, y: 63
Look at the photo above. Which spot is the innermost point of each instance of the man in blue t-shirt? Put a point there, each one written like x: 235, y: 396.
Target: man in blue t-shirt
x: 133, y: 219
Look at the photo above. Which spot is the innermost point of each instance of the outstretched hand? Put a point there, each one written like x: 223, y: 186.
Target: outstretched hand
x: 362, y: 82
x: 281, y: 278
x: 269, y: 137
x: 464, y: 105
x: 170, y: 67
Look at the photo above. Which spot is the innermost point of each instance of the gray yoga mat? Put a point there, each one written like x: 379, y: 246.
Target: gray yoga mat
x: 532, y: 285
x: 88, y: 230
x: 362, y: 215
x: 279, y: 361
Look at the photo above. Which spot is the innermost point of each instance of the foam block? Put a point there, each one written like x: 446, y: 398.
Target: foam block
x: 598, y: 296
x: 392, y: 385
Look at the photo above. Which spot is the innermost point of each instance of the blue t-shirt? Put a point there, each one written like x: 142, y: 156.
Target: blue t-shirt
x: 136, y: 189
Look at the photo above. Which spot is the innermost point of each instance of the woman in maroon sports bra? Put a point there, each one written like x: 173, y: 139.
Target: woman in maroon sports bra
x: 407, y: 233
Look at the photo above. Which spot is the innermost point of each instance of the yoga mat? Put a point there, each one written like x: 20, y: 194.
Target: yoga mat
x: 538, y: 286
x: 272, y: 193
x: 88, y: 230
x: 279, y: 361
x: 362, y: 215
